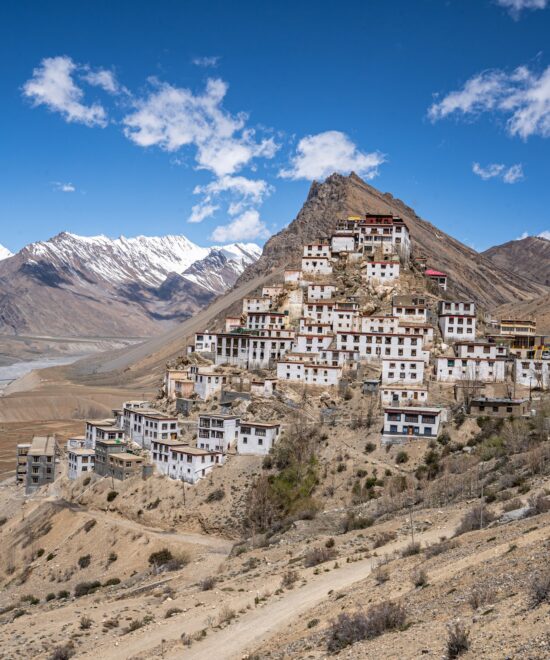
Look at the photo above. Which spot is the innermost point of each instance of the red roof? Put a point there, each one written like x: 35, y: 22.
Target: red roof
x: 430, y: 272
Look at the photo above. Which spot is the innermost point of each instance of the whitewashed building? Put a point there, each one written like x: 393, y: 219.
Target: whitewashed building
x: 457, y: 319
x: 149, y: 425
x: 313, y: 343
x: 263, y: 304
x: 103, y: 429
x: 292, y: 275
x: 265, y: 387
x: 342, y: 241
x: 208, y: 384
x: 316, y: 265
x: 321, y: 311
x: 410, y: 423
x: 190, y: 464
x: 309, y: 326
x: 424, y: 330
x: 385, y: 271
x: 257, y: 438
x: 345, y: 316
x: 405, y: 372
x: 378, y: 324
x: 272, y: 291
x: 80, y: 460
x: 403, y: 395
x: 266, y: 320
x: 321, y: 292
x: 373, y: 346
x: 533, y: 373
x: 320, y: 249
x: 205, y: 342
x: 265, y: 350
x: 480, y: 349
x: 455, y: 369
x: 411, y: 308
x: 217, y: 432
x: 309, y: 373
x: 160, y: 453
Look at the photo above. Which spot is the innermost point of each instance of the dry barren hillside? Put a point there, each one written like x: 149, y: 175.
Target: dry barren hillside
x: 528, y: 257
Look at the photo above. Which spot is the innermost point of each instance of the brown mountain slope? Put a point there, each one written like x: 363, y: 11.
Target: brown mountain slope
x: 473, y: 275
x: 528, y: 257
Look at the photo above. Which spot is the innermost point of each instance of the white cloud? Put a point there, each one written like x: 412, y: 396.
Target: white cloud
x: 522, y: 95
x: 247, y: 226
x: 511, y: 174
x: 319, y: 155
x: 201, y: 211
x: 52, y: 85
x: 211, y: 61
x: 545, y: 234
x: 253, y: 189
x: 515, y: 7
x: 64, y: 187
x: 102, y: 78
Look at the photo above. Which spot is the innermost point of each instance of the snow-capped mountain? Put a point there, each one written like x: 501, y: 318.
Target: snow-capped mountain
x: 146, y: 259
x: 5, y: 253
x: 95, y: 285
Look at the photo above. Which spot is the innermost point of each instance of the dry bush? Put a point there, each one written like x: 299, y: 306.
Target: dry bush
x: 85, y: 623
x: 208, y: 583
x: 63, y: 652
x: 458, y: 640
x: 172, y: 612
x: 513, y: 504
x: 317, y: 556
x: 539, y: 504
x: 419, y: 577
x: 381, y: 574
x: 439, y: 548
x: 411, y: 549
x: 383, y: 538
x: 348, y: 629
x: 226, y: 615
x: 473, y: 519
x: 481, y: 595
x: 540, y: 589
x: 289, y: 579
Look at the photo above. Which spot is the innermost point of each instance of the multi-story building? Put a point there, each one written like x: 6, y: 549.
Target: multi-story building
x: 378, y: 324
x: 385, y: 271
x: 403, y: 395
x: 102, y: 429
x: 534, y: 374
x: 208, y: 384
x: 190, y: 464
x: 411, y: 308
x: 41, y: 457
x: 205, y: 342
x: 516, y: 327
x: 410, y: 423
x: 485, y: 370
x: 343, y: 241
x: 309, y: 373
x: 316, y: 265
x: 379, y: 232
x: 499, y: 407
x: 320, y: 311
x: 217, y: 432
x: 21, y: 464
x: 312, y: 343
x: 160, y: 454
x: 266, y: 320
x: 319, y: 249
x: 402, y: 371
x: 437, y: 277
x: 263, y: 304
x: 257, y: 438
x: 457, y: 319
x: 124, y: 465
x: 80, y: 460
x: 153, y: 425
x: 375, y: 346
x: 321, y: 292
x: 103, y: 449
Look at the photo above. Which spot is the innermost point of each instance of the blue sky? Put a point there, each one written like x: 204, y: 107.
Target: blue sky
x: 133, y: 117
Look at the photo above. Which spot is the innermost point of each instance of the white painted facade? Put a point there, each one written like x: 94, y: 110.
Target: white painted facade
x: 384, y: 271
x: 151, y: 425
x: 207, y: 384
x: 454, y: 369
x: 342, y: 242
x: 311, y: 327
x: 405, y: 372
x: 313, y: 343
x: 345, y: 317
x: 257, y: 305
x: 379, y: 324
x: 80, y: 460
x: 321, y: 311
x: 266, y: 321
x: 480, y: 349
x: 104, y: 429
x: 416, y: 309
x: 316, y: 265
x: 373, y: 346
x: 309, y: 373
x: 317, y: 250
x: 257, y: 438
x: 397, y: 395
x: 410, y: 423
x: 217, y: 432
x: 205, y: 342
x: 273, y: 291
x: 191, y: 464
x: 533, y: 373
x: 159, y: 453
x: 292, y: 275
x: 320, y: 292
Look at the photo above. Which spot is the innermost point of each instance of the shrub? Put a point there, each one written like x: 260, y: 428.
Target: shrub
x: 30, y: 599
x: 85, y: 623
x: 136, y: 624
x: 513, y: 504
x: 354, y: 521
x: 110, y: 623
x: 215, y: 495
x: 411, y: 549
x: 111, y: 582
x: 458, y: 640
x: 317, y: 556
x: 439, y: 548
x: 312, y: 623
x: 383, y: 538
x: 348, y: 629
x: 480, y: 595
x: 50, y: 556
x: 86, y: 481
x: 160, y: 557
x: 444, y: 438
x: 177, y: 562
x: 40, y: 552
x: 111, y: 495
x: 472, y: 519
x: 370, y: 447
x: 226, y: 615
x: 341, y: 467
x: 208, y: 583
x: 85, y: 588
x: 63, y: 594
x: 63, y: 652
x: 419, y: 577
x: 401, y: 457
x: 289, y: 578
x: 172, y: 612
x: 112, y: 557
x: 50, y: 596
x: 539, y: 504
x: 381, y: 574
x: 90, y: 524
x: 540, y: 589
x: 84, y: 561
x: 330, y: 543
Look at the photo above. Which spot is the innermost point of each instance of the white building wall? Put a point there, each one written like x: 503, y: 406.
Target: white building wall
x: 457, y: 327
x: 402, y: 395
x: 452, y: 370
x: 533, y: 373
x: 385, y: 271
x: 256, y: 440
x: 317, y: 250
x: 342, y: 243
x: 320, y: 291
x: 405, y: 372
x: 316, y: 266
